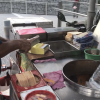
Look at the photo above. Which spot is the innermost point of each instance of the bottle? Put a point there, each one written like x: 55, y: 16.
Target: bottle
x: 7, y: 28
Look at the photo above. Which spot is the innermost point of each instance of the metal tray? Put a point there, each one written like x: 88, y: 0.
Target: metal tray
x: 62, y: 49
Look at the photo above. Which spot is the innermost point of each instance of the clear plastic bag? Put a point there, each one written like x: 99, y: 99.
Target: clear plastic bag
x: 95, y: 79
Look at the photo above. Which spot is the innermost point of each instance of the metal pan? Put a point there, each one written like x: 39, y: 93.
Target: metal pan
x: 80, y: 67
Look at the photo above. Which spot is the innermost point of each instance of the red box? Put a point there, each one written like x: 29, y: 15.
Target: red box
x: 29, y: 33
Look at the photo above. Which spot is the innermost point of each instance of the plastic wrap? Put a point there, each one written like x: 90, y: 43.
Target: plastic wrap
x: 95, y: 79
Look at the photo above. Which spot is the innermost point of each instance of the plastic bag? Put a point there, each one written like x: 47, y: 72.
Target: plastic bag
x: 95, y: 79
x: 74, y: 7
x: 26, y: 64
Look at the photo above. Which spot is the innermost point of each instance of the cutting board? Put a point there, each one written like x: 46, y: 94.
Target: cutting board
x: 49, y: 54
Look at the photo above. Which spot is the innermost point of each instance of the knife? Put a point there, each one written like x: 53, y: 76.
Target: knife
x: 34, y: 40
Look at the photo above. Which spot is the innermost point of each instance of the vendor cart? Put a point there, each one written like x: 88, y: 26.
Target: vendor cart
x: 64, y: 53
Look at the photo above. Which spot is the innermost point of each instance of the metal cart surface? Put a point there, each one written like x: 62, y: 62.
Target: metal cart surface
x: 65, y: 93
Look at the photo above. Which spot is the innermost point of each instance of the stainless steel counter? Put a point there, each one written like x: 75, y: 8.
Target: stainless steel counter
x: 65, y: 93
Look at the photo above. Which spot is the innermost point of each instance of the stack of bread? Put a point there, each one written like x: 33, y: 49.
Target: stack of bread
x: 26, y: 79
x: 70, y: 35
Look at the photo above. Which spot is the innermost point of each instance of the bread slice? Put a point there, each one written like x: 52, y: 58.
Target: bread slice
x: 26, y: 79
x: 31, y: 78
x: 22, y: 80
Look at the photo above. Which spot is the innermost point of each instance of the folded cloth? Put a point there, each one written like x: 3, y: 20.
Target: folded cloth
x: 47, y: 60
x: 55, y: 79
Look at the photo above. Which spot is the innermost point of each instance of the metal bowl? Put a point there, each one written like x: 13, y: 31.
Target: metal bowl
x: 81, y: 67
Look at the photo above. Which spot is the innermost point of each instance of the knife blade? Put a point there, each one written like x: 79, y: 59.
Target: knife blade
x: 34, y: 40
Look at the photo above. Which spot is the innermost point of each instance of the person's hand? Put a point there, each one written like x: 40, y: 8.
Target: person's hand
x: 3, y: 39
x: 24, y: 45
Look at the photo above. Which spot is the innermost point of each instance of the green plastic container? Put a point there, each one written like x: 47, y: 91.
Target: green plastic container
x: 93, y: 54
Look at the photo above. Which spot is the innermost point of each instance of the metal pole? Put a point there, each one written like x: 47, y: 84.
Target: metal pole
x: 26, y: 6
x: 97, y: 7
x: 91, y: 14
x: 60, y: 7
x: 96, y: 1
x: 11, y: 5
x: 46, y: 8
x: 70, y: 12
